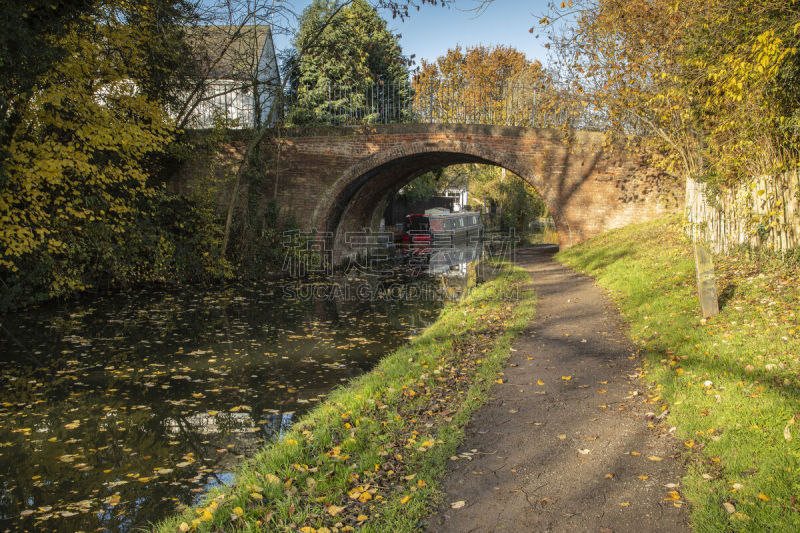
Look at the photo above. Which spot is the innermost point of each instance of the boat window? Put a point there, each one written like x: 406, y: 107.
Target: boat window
x: 419, y: 223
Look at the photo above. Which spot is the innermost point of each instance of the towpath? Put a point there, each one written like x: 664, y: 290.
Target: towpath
x: 565, y: 443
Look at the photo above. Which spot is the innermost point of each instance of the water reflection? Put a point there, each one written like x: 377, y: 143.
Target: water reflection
x: 117, y: 410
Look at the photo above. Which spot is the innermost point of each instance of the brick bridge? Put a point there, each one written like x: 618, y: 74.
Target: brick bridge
x: 339, y: 179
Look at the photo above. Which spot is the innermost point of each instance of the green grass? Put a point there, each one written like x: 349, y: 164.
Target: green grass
x: 731, y: 382
x: 371, y: 456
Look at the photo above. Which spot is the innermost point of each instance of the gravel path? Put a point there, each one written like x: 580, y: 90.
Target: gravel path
x: 572, y: 454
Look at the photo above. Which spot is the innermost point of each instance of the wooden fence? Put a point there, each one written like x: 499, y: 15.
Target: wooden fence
x: 762, y: 213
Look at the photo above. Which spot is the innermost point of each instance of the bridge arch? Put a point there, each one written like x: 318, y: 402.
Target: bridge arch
x: 357, y: 199
x: 337, y: 179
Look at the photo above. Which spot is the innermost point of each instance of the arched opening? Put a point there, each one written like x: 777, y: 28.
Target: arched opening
x: 358, y: 201
x: 506, y: 203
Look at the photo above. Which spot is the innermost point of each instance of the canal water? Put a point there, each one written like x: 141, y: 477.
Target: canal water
x: 117, y: 410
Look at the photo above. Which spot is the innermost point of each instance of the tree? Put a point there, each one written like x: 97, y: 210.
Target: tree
x: 76, y: 200
x: 29, y: 46
x: 713, y: 82
x: 354, y: 52
x: 485, y: 84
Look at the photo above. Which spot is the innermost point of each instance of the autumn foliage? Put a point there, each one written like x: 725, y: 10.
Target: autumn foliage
x: 714, y: 81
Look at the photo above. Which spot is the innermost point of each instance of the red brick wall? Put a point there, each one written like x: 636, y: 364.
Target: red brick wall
x: 338, y: 178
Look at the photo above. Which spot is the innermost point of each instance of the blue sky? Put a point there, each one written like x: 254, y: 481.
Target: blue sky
x: 431, y: 31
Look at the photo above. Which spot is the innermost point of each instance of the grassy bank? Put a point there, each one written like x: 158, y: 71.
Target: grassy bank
x: 731, y: 383
x: 370, y: 457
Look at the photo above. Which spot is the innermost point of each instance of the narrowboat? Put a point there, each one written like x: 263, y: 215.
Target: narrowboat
x: 423, y: 232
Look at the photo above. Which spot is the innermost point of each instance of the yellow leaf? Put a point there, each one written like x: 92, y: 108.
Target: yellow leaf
x: 333, y: 510
x: 238, y: 511
x: 763, y: 497
x: 624, y: 504
x: 635, y: 453
x: 361, y: 518
x: 499, y: 380
x: 272, y: 478
x: 206, y: 516
x: 654, y: 458
x: 566, y: 378
x: 405, y: 499
x: 256, y: 496
x: 539, y: 382
x: 184, y: 527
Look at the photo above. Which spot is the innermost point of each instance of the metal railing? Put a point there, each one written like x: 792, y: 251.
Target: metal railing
x: 439, y: 103
x: 406, y: 102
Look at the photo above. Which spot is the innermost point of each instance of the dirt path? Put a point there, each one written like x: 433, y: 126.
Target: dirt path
x: 550, y: 457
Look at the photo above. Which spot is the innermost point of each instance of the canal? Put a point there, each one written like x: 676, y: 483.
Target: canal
x: 116, y: 411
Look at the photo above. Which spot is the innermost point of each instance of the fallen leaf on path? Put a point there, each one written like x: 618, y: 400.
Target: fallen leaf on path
x: 655, y: 458
x: 458, y: 505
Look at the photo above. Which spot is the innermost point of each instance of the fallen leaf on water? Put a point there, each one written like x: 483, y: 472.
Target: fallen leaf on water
x: 458, y: 505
